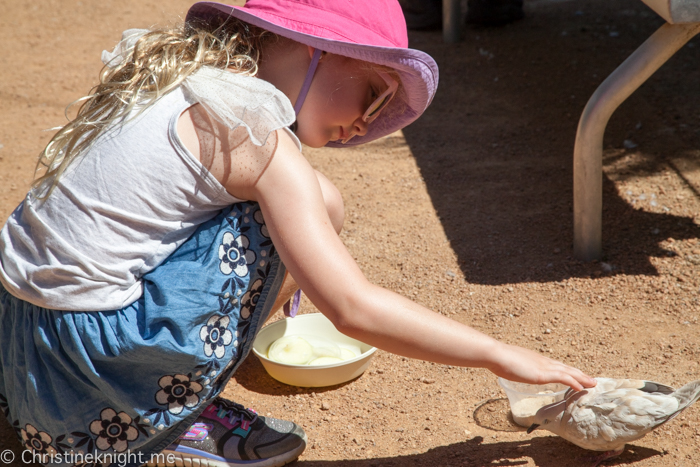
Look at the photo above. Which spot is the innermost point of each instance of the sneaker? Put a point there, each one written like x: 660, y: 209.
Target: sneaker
x: 227, y: 434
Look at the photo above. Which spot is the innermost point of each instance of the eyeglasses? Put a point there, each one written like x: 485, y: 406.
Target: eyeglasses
x: 380, y: 102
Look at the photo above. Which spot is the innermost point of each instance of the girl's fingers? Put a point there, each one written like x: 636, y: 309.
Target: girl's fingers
x: 528, y: 366
x: 571, y: 382
x: 572, y: 377
x: 576, y: 379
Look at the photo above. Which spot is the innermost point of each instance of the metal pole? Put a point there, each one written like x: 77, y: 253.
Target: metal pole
x: 451, y: 17
x: 588, y: 149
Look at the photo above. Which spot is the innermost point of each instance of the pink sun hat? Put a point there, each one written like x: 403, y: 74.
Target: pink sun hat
x: 370, y: 30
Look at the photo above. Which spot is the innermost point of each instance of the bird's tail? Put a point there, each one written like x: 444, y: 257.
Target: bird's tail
x: 686, y: 396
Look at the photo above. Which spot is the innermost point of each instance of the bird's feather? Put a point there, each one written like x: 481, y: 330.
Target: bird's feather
x: 615, y: 412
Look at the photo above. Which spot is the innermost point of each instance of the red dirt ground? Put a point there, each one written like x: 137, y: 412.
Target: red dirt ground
x: 468, y: 211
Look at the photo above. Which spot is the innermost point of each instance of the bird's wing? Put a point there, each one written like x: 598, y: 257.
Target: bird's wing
x: 623, y: 415
x: 609, y: 384
x: 607, y: 417
x: 581, y: 425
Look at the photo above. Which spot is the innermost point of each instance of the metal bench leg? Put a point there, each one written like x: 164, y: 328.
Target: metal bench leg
x: 451, y: 16
x: 588, y: 149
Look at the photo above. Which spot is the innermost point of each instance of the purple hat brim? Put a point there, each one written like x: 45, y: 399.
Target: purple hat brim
x: 417, y: 70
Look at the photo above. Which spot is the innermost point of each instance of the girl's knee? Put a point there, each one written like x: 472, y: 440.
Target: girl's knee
x: 333, y: 200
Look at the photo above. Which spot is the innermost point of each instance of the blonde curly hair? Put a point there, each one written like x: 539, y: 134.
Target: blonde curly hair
x: 159, y: 62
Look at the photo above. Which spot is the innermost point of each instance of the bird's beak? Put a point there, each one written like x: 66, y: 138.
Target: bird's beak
x: 532, y: 428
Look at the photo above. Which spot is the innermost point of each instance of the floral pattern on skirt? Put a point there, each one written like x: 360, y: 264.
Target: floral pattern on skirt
x: 132, y: 380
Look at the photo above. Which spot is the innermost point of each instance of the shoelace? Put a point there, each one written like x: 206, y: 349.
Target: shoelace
x: 235, y: 412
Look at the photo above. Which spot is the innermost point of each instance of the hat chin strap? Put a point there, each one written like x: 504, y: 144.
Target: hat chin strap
x: 307, y: 81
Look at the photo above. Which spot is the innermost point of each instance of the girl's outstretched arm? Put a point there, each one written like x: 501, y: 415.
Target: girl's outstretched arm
x: 290, y: 198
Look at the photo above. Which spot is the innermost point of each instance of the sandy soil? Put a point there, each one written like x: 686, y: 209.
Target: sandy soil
x: 468, y: 211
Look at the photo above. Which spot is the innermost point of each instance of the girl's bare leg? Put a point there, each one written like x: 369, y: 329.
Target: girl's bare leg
x: 336, y: 211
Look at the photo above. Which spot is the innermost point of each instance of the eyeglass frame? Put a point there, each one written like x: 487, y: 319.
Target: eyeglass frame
x: 383, y: 99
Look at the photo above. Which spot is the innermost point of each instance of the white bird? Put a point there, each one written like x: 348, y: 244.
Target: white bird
x: 613, y: 413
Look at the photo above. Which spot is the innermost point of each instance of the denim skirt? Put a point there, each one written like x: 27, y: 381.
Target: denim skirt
x: 117, y: 387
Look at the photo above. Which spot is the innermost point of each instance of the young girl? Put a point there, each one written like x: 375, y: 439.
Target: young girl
x: 176, y: 213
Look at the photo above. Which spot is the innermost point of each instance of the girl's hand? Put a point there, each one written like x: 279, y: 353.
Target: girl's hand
x: 525, y: 366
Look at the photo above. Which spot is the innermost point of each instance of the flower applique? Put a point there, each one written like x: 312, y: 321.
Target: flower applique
x: 114, y: 430
x: 178, y: 392
x: 250, y: 298
x: 235, y: 255
x: 37, y: 441
x: 216, y: 336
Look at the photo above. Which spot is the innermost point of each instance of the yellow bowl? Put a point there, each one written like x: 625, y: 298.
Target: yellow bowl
x: 314, y: 324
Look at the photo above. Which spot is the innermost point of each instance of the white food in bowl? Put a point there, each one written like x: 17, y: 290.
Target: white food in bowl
x: 293, y: 350
x: 305, y: 349
x: 325, y: 361
x: 310, y: 326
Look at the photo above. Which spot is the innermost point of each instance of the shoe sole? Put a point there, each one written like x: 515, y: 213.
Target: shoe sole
x: 182, y: 459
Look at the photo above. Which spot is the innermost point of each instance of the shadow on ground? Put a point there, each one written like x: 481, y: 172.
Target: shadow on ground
x: 545, y: 451
x: 252, y: 376
x: 501, y: 179
x: 494, y: 414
